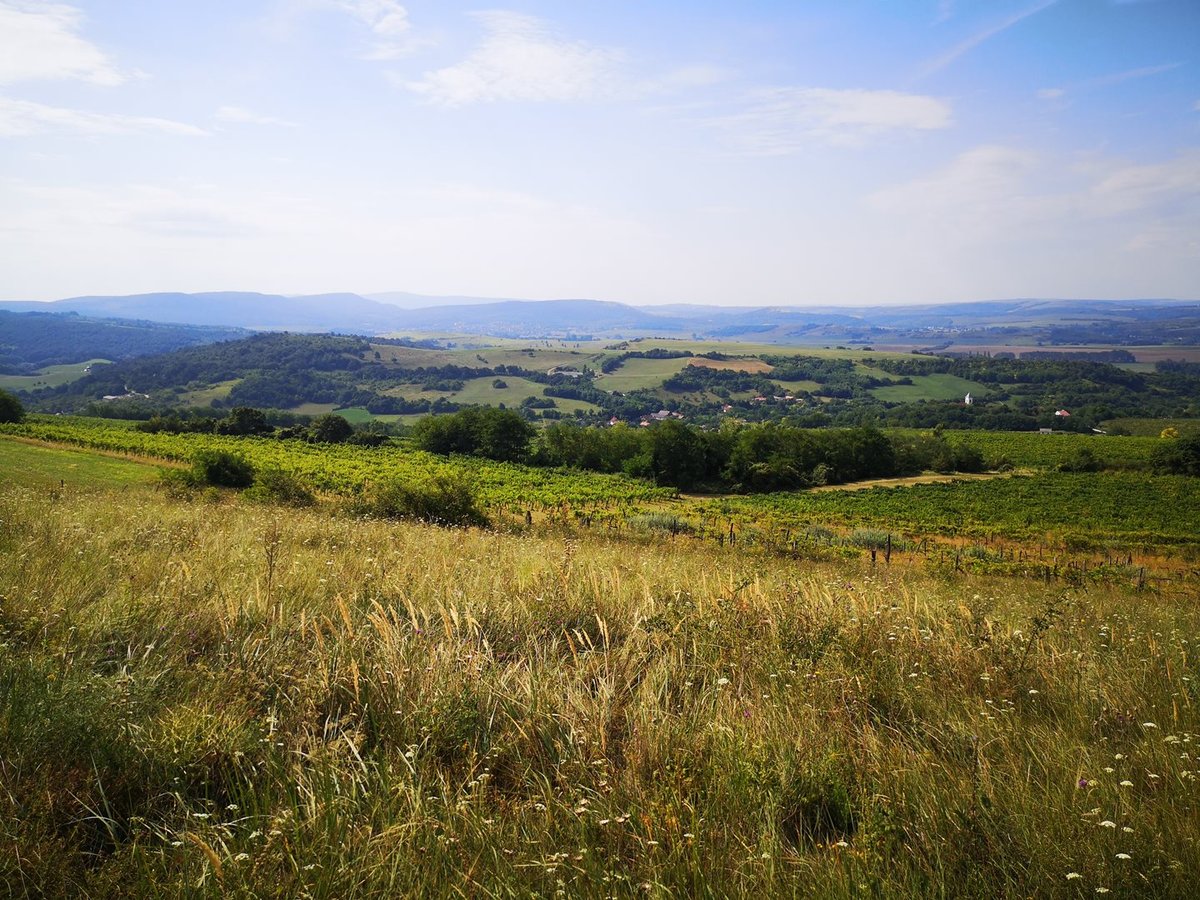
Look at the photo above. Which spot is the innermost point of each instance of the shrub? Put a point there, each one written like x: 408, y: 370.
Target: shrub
x: 277, y: 486
x: 368, y: 439
x: 442, y: 500
x: 662, y: 523
x: 222, y: 469
x: 1083, y: 460
x: 178, y: 484
x: 1180, y: 456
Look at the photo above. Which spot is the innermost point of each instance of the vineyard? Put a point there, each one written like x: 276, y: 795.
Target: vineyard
x: 1029, y: 449
x: 1127, y: 508
x: 345, y: 469
x: 1078, y: 510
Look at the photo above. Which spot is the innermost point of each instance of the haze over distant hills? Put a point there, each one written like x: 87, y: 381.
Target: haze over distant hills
x: 402, y: 312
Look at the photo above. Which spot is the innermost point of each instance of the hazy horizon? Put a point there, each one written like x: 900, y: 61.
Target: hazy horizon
x: 702, y: 153
x: 455, y: 300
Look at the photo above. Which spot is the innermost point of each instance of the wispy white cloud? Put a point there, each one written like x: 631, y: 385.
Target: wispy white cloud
x: 966, y: 46
x: 976, y: 182
x: 945, y: 11
x: 997, y: 193
x: 1171, y: 184
x: 521, y: 58
x: 388, y: 22
x: 686, y: 78
x: 782, y: 120
x: 21, y: 118
x: 239, y: 115
x: 151, y: 211
x: 1040, y: 224
x: 41, y: 41
x: 1108, y: 80
x: 391, y: 33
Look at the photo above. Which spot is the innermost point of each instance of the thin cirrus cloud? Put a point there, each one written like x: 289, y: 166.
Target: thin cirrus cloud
x: 777, y: 121
x: 41, y: 41
x: 1109, y: 80
x: 980, y: 37
x: 521, y: 59
x: 22, y: 118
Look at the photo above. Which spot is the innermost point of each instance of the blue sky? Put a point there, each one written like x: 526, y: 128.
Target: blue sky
x: 746, y: 152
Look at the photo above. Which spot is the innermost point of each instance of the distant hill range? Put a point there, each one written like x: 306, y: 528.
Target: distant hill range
x: 1054, y: 321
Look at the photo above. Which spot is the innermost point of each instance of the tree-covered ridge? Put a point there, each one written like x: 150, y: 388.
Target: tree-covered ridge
x: 33, y: 340
x: 287, y: 371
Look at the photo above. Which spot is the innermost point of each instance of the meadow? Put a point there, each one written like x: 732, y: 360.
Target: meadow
x: 224, y: 699
x: 50, y: 376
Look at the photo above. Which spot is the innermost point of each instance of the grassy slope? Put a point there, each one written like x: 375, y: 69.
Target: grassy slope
x: 37, y: 465
x: 481, y: 391
x: 51, y: 376
x: 641, y: 373
x: 201, y: 701
x: 930, y: 387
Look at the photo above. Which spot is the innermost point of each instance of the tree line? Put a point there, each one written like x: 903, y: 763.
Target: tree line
x: 751, y: 458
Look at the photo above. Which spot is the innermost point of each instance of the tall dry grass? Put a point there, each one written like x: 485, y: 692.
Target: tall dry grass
x: 217, y: 699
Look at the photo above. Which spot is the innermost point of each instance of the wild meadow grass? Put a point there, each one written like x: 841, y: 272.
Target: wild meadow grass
x: 222, y: 699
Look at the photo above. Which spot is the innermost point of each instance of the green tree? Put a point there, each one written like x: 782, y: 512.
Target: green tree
x: 330, y: 429
x: 11, y: 409
x: 500, y: 434
x: 244, y: 420
x: 676, y: 454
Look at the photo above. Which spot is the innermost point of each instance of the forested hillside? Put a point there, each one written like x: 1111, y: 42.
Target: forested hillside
x: 593, y: 382
x: 32, y: 340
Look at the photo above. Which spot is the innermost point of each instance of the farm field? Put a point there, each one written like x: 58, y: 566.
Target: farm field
x: 930, y: 387
x: 638, y: 374
x: 51, y: 376
x: 483, y: 392
x: 1120, y: 508
x: 218, y: 698
x: 1143, y: 354
x: 205, y: 396
x: 1025, y: 449
x: 1154, y: 427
